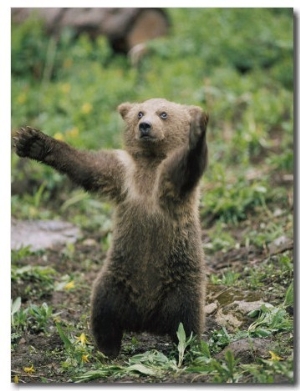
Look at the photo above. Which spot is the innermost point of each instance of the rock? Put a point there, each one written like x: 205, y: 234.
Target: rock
x: 230, y: 306
x: 90, y: 242
x: 210, y: 308
x: 229, y: 320
x: 244, y: 307
x: 41, y: 234
x: 233, y: 315
x: 280, y: 244
x: 247, y: 349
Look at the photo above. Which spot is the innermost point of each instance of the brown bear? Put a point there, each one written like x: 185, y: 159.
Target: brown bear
x: 153, y: 277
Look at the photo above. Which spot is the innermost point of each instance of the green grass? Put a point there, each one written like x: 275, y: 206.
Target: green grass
x: 78, y: 100
x: 238, y: 65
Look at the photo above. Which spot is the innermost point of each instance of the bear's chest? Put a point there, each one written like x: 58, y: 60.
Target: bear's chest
x: 140, y: 179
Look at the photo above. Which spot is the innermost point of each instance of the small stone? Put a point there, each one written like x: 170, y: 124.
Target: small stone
x: 42, y: 234
x: 89, y: 242
x: 244, y: 307
x: 227, y: 319
x: 210, y: 308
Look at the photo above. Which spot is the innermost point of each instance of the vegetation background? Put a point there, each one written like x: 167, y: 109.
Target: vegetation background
x: 238, y: 65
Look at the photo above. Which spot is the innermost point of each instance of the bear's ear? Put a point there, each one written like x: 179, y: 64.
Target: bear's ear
x: 124, y: 109
x: 204, y: 117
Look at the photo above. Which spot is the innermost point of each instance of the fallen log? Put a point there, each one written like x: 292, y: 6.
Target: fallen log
x: 124, y: 27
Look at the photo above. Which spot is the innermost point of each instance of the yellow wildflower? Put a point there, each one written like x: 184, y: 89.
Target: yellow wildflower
x: 57, y: 319
x: 82, y: 339
x: 32, y: 211
x: 59, y: 136
x: 68, y: 63
x: 29, y: 370
x: 70, y: 285
x: 86, y: 108
x: 274, y: 356
x: 84, y: 358
x: 73, y: 132
x: 16, y: 379
x: 65, y: 87
x: 22, y: 98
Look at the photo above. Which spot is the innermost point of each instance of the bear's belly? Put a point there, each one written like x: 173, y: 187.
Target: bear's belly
x: 153, y: 254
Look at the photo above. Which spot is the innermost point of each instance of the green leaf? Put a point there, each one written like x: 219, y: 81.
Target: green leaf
x: 142, y: 369
x: 289, y: 296
x: 181, y: 333
x: 205, y: 349
x: 229, y: 357
x: 16, y: 305
x: 98, y: 373
x: 64, y: 338
x: 74, y: 200
x: 182, y: 343
x: 262, y: 332
x: 253, y: 313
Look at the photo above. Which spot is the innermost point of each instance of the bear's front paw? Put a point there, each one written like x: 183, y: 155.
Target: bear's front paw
x: 199, y: 121
x: 30, y: 143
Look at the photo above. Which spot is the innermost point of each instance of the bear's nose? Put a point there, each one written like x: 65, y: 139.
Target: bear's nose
x: 144, y: 128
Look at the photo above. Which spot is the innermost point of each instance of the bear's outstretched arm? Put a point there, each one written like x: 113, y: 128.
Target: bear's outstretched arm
x: 93, y: 171
x: 183, y: 170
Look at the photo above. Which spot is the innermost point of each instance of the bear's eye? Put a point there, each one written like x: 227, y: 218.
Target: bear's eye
x: 163, y: 115
x: 140, y: 114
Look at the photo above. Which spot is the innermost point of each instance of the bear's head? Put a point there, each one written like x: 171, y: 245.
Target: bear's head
x: 156, y: 126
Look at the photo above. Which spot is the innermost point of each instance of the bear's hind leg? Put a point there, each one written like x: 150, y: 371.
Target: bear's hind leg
x: 105, y: 322
x: 107, y: 334
x: 182, y: 308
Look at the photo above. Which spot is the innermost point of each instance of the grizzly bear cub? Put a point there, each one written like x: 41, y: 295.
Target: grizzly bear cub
x: 153, y: 277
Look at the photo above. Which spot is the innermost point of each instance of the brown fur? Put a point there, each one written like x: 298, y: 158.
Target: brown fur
x: 153, y: 277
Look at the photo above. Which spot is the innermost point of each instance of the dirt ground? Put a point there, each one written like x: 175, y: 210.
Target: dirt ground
x: 44, y: 350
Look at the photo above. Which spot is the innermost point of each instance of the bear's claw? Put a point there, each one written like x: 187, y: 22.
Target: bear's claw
x: 198, y: 127
x: 29, y: 142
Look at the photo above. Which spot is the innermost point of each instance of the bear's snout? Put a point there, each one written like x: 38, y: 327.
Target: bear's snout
x: 144, y: 128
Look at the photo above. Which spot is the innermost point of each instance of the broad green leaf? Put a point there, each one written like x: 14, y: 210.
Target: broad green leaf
x: 289, y: 296
x: 16, y: 305
x: 142, y: 369
x: 63, y: 336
